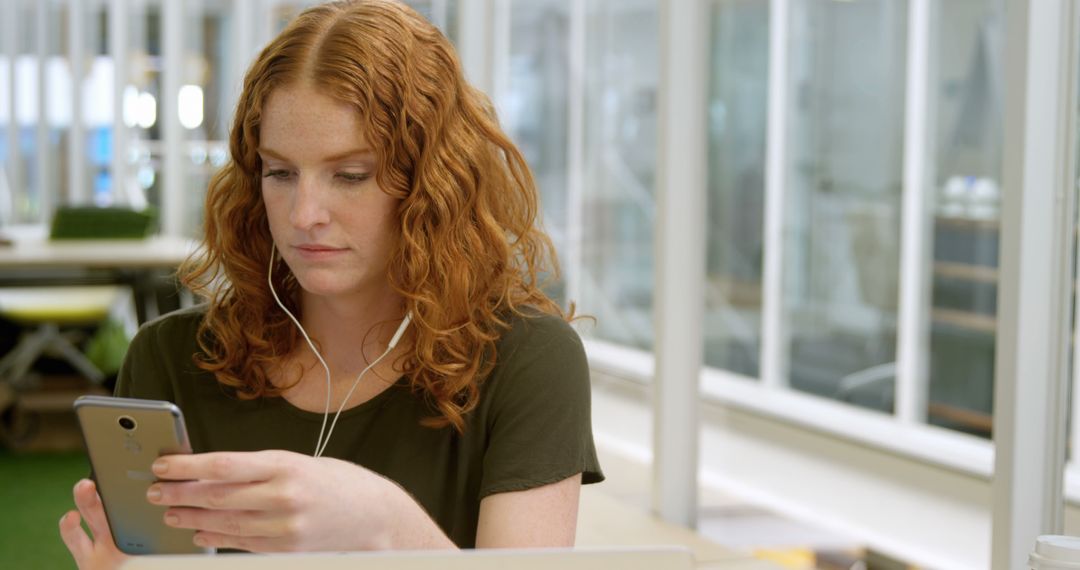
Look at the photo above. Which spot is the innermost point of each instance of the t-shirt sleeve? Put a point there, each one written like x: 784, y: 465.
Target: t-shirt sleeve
x: 538, y: 419
x: 144, y: 372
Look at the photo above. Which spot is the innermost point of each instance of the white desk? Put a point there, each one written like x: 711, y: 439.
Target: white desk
x: 490, y: 559
x: 31, y: 248
x: 31, y: 258
x: 154, y: 252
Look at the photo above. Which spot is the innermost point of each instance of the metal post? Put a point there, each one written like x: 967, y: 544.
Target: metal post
x: 680, y: 258
x: 10, y: 37
x: 41, y: 133
x: 500, y: 51
x: 913, y: 344
x: 244, y: 50
x: 475, y: 42
x: 172, y: 53
x: 1035, y: 284
x: 118, y: 52
x: 76, y: 151
x: 265, y: 23
x: 774, y: 349
x: 440, y: 15
x: 573, y: 264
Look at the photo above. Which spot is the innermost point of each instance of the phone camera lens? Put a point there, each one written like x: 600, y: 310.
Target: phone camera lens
x: 126, y: 423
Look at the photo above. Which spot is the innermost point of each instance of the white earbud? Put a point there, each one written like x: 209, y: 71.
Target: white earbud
x: 320, y: 445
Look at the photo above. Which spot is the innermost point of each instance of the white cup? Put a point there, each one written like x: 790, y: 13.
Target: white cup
x: 1055, y: 552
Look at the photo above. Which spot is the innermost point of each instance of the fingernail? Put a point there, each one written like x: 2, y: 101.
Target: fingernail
x: 171, y: 519
x: 153, y: 494
x: 200, y: 540
x: 160, y: 466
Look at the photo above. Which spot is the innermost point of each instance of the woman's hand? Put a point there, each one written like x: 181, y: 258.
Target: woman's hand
x: 274, y: 501
x: 91, y: 553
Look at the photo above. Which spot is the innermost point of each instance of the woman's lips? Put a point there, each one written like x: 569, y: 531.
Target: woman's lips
x: 319, y: 252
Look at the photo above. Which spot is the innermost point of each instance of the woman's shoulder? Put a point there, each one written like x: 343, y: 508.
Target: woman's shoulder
x: 532, y: 331
x: 158, y: 363
x: 534, y: 416
x: 536, y: 351
x: 174, y: 327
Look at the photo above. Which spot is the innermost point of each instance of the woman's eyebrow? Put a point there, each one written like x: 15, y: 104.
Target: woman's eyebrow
x: 353, y: 153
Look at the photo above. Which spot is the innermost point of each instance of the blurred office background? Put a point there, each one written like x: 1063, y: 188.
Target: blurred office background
x: 810, y: 128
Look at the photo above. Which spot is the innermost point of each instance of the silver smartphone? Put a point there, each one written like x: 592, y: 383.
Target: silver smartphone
x: 123, y: 438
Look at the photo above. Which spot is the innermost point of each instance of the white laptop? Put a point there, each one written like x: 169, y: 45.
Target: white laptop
x: 628, y: 558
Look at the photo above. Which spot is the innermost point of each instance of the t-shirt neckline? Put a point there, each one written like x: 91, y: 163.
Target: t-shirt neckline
x: 367, y: 406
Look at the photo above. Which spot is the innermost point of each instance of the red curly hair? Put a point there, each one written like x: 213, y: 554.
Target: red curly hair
x: 470, y: 251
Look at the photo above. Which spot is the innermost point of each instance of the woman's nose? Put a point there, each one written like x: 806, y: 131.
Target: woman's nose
x: 308, y: 208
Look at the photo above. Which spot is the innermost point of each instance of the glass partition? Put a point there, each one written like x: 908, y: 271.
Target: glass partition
x: 208, y: 94
x: 619, y: 209
x: 842, y: 197
x: 142, y: 112
x: 968, y: 90
x: 42, y: 111
x: 737, y: 120
x: 534, y: 108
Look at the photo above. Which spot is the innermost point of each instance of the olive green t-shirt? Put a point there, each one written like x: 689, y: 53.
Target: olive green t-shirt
x: 531, y: 426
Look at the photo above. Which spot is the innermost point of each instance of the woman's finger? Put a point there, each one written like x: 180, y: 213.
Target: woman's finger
x: 248, y: 543
x: 91, y: 509
x: 238, y: 467
x: 232, y: 523
x: 216, y: 495
x: 75, y: 538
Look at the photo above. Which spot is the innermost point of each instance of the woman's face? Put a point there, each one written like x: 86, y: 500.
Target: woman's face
x: 330, y: 221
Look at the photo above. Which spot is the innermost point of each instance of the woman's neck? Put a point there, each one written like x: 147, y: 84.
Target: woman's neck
x: 341, y: 326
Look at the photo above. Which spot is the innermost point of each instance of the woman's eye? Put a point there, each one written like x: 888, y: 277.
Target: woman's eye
x: 353, y: 177
x: 278, y: 174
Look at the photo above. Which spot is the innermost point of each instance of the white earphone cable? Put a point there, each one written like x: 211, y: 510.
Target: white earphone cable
x: 320, y: 445
x: 345, y: 400
x: 389, y: 347
x: 270, y: 282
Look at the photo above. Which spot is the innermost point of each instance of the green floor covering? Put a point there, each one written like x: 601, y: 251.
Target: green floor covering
x: 35, y: 489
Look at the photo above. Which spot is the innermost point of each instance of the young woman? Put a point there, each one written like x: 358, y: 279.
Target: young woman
x: 376, y: 366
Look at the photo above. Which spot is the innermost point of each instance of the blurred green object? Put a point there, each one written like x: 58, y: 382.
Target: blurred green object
x: 91, y: 222
x: 106, y: 349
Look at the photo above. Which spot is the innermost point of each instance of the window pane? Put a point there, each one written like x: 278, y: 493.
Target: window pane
x: 25, y: 192
x: 969, y: 90
x: 57, y: 110
x: 142, y: 113
x: 442, y: 13
x: 7, y: 154
x: 95, y: 95
x: 620, y: 161
x: 208, y: 92
x: 737, y: 113
x: 844, y: 181
x: 533, y: 108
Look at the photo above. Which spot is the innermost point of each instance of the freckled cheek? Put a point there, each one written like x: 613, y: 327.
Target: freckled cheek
x: 277, y: 211
x: 373, y: 239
